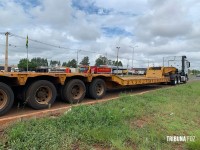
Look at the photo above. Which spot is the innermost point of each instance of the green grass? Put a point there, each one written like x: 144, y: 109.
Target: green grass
x: 131, y: 122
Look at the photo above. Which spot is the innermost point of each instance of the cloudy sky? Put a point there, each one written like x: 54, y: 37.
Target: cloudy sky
x: 155, y: 28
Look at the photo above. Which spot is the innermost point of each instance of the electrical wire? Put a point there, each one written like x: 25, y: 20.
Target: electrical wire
x: 55, y: 46
x: 61, y: 47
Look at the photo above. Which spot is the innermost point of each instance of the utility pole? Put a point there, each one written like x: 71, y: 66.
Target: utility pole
x: 117, y: 58
x: 77, y: 60
x: 127, y: 63
x: 164, y: 61
x: 133, y: 53
x: 106, y: 59
x: 6, y: 53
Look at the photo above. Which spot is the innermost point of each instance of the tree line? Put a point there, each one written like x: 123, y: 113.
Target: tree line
x: 37, y: 62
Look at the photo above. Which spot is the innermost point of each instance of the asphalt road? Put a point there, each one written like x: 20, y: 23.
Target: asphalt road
x: 193, y: 78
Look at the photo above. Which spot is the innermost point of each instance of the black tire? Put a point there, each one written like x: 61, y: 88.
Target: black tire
x: 87, y: 94
x: 175, y: 81
x: 6, y: 98
x: 97, y: 89
x: 41, y: 94
x: 186, y: 79
x: 74, y: 91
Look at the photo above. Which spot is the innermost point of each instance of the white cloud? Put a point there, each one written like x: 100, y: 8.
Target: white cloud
x: 166, y: 19
x: 82, y: 29
x: 12, y: 15
x: 159, y: 28
x: 53, y: 14
x: 134, y: 6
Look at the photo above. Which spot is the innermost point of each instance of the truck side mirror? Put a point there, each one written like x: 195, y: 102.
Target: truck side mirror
x: 188, y: 64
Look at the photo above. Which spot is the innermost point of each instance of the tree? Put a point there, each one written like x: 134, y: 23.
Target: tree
x: 23, y: 65
x: 64, y: 64
x: 71, y: 63
x: 39, y: 61
x: 85, y: 61
x: 120, y: 63
x: 110, y: 62
x: 114, y: 63
x: 53, y: 63
x: 102, y: 60
x: 33, y: 64
x: 194, y: 71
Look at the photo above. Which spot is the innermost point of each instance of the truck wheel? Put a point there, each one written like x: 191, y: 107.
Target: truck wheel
x: 186, y: 79
x: 74, y: 91
x: 174, y: 82
x: 6, y: 98
x: 97, y: 89
x: 41, y: 94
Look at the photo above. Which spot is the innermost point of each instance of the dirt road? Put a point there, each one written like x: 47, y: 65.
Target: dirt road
x: 22, y: 112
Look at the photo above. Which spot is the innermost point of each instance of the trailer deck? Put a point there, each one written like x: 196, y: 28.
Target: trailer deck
x: 22, y: 78
x: 130, y: 81
x: 39, y: 90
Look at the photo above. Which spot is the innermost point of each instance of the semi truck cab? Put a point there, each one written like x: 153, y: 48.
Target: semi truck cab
x: 182, y: 65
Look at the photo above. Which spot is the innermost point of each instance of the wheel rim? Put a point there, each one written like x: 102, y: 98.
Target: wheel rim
x: 76, y: 91
x: 99, y: 89
x: 43, y: 95
x: 3, y: 99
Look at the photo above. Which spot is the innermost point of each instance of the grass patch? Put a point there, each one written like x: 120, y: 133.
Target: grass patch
x: 131, y: 122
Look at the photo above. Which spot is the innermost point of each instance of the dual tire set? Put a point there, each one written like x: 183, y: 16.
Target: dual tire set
x: 177, y: 80
x: 42, y: 93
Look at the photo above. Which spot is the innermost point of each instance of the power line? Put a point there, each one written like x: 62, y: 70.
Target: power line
x: 11, y: 45
x: 55, y: 46
x: 61, y: 47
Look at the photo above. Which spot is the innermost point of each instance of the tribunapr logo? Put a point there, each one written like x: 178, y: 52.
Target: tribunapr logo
x: 180, y: 138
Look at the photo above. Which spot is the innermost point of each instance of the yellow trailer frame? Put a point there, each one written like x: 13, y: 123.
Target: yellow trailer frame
x: 39, y: 90
x: 152, y: 76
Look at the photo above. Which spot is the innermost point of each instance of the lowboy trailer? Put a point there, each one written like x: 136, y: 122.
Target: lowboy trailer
x: 39, y: 90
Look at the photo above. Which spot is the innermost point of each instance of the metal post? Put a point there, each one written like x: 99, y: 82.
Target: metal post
x: 27, y: 59
x: 77, y: 58
x: 6, y: 53
x: 117, y: 58
x: 133, y: 53
x: 127, y: 63
x: 163, y: 61
x: 27, y: 53
x: 132, y: 57
x: 106, y: 59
